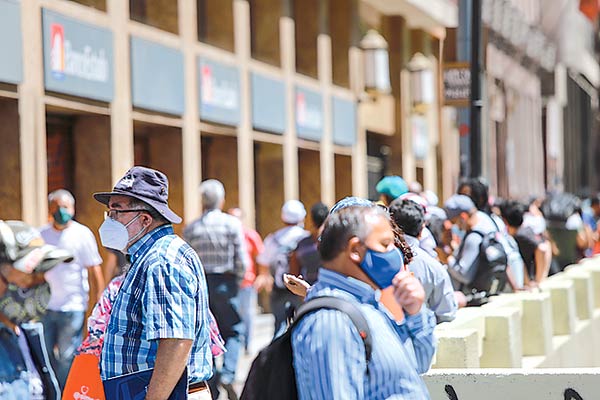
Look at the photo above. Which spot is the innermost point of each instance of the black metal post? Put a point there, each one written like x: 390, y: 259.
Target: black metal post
x: 476, y: 101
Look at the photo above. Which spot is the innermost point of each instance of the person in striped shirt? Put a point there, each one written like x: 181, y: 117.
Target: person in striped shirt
x: 360, y: 259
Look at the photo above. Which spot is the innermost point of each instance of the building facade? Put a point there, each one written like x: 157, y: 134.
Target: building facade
x: 267, y: 96
x: 260, y: 94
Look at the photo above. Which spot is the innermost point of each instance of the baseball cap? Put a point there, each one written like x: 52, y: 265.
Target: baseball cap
x: 392, y: 186
x: 458, y: 204
x: 145, y: 184
x: 293, y: 212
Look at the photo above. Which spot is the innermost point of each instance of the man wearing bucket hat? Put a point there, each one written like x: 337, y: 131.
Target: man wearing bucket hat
x: 160, y: 317
x: 25, y: 370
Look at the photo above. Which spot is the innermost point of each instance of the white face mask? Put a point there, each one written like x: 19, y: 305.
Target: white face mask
x: 114, y: 235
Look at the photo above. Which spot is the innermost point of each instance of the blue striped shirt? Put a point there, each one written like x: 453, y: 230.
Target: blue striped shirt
x: 164, y: 295
x: 329, y: 355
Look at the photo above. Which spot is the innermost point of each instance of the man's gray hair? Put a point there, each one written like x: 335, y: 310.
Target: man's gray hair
x: 137, y: 204
x: 61, y: 194
x: 213, y: 194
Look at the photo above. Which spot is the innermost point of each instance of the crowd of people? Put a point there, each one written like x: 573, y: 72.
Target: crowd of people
x: 182, y: 309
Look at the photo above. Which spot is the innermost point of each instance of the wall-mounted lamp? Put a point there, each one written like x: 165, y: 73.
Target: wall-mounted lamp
x: 377, y: 68
x: 422, y: 90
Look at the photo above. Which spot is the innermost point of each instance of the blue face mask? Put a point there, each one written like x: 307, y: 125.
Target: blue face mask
x: 382, y: 267
x: 458, y: 232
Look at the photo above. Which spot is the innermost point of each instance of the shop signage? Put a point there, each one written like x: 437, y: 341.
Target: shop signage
x: 77, y: 57
x: 156, y: 77
x: 268, y: 104
x: 344, y: 122
x: 457, y: 84
x: 219, y: 87
x: 309, y: 114
x: 10, y: 42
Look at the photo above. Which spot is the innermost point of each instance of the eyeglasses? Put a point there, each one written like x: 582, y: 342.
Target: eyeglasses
x: 114, y: 214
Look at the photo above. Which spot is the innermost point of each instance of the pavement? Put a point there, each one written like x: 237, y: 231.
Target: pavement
x: 261, y: 337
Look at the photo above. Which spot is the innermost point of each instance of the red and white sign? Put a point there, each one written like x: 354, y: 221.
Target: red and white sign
x: 57, y: 51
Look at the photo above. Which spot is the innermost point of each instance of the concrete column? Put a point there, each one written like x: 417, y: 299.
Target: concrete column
x: 593, y: 267
x: 359, y: 151
x: 398, y: 35
x: 457, y: 348
x: 430, y: 179
x: 190, y: 133
x: 290, y: 146
x: 32, y: 121
x: 584, y: 291
x: 121, y: 124
x: 327, y: 155
x: 562, y: 294
x: 241, y: 20
x: 536, y: 324
x: 502, y: 347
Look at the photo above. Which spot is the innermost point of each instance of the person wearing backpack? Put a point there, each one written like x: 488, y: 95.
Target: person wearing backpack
x: 439, y: 294
x: 330, y: 358
x: 274, y: 261
x: 470, y: 264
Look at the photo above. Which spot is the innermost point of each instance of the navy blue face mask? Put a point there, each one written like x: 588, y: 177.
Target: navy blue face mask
x: 381, y: 267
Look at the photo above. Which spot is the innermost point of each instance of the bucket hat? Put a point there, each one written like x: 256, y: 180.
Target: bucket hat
x: 145, y: 184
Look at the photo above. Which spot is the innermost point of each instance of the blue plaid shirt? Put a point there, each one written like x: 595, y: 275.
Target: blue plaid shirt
x: 164, y: 295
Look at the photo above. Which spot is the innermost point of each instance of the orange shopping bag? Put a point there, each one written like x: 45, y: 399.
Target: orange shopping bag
x: 83, y: 382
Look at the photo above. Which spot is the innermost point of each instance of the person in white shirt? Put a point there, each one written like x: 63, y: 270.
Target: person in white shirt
x: 75, y: 287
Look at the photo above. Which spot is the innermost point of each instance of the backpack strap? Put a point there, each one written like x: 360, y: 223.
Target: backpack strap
x: 345, y: 306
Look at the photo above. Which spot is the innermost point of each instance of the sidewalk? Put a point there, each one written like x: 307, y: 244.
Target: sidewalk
x: 263, y: 333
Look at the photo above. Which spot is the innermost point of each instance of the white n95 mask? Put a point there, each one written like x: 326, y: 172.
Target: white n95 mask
x: 113, y: 235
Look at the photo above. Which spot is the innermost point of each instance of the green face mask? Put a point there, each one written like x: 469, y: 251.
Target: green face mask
x: 62, y: 216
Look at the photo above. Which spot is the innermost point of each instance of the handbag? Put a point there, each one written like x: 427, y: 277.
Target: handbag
x: 83, y: 381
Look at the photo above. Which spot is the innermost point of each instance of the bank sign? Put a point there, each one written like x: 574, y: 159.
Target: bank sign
x: 309, y: 114
x: 219, y: 91
x: 10, y: 42
x: 77, y: 57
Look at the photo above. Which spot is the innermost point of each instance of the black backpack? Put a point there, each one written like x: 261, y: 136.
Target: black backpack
x: 272, y: 373
x: 492, y: 261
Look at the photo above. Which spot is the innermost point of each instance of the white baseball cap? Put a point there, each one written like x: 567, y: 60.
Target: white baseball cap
x: 293, y: 212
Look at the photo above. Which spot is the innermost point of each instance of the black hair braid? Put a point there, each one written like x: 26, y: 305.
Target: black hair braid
x: 401, y: 244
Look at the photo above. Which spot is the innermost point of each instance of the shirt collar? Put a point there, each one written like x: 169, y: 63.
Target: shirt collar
x: 334, y: 280
x: 138, y: 249
x: 411, y: 240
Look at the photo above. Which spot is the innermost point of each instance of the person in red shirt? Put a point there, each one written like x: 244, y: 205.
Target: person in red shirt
x: 247, y: 294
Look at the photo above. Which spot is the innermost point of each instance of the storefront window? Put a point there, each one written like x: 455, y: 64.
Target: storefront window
x: 97, y: 4
x: 215, y: 23
x: 161, y: 14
